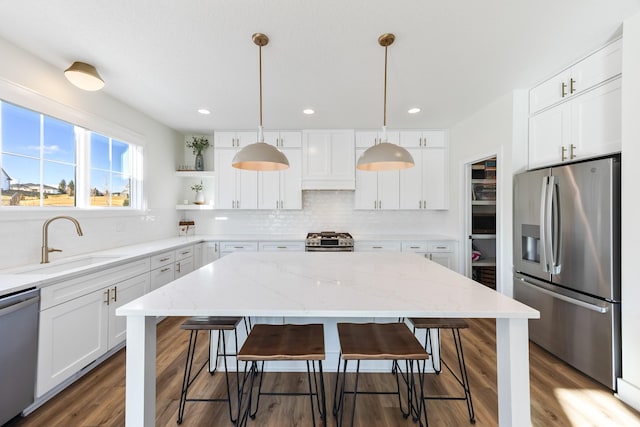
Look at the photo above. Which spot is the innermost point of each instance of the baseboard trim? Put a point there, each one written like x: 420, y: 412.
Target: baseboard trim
x: 628, y: 393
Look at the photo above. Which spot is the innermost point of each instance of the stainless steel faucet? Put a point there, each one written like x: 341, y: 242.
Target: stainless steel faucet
x: 45, y: 236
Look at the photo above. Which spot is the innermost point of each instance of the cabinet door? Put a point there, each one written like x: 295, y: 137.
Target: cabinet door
x: 411, y: 182
x: 226, y: 179
x: 388, y: 190
x: 411, y: 138
x: 247, y: 189
x: 549, y: 92
x: 598, y: 67
x: 291, y: 180
x: 434, y: 138
x: 596, y: 121
x: 366, y: 139
x: 161, y: 276
x: 119, y: 295
x: 328, y: 160
x: 269, y: 190
x: 434, y: 178
x: 183, y: 267
x: 549, y: 131
x: 245, y: 138
x: 224, y: 139
x: 291, y: 139
x: 211, y: 252
x: 198, y: 250
x: 71, y: 336
x: 445, y: 259
x: 366, y: 196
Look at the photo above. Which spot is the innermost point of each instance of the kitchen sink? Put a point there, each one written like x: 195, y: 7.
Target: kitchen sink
x: 66, y: 265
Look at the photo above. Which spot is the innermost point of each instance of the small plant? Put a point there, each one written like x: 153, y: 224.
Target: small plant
x: 198, y: 144
x: 197, y: 187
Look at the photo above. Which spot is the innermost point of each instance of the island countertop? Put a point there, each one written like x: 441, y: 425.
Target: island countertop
x: 308, y: 284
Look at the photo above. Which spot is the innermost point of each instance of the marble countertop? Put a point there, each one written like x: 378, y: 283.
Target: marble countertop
x: 23, y: 277
x: 305, y: 284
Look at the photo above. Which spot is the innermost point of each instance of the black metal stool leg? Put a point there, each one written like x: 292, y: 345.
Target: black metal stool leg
x: 457, y: 339
x: 186, y: 379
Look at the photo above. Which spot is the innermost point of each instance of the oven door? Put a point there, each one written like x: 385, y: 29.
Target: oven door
x: 329, y: 248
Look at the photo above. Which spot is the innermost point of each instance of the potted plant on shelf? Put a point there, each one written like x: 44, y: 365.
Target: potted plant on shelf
x: 198, y: 144
x: 199, y: 194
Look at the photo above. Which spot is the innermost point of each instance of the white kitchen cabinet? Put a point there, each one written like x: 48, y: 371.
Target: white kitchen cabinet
x: 585, y: 126
x: 377, y: 190
x: 184, y: 261
x: 120, y: 294
x: 442, y: 252
x: 210, y: 252
x: 377, y: 246
x: 328, y: 160
x: 284, y: 139
x: 235, y: 188
x: 227, y: 248
x: 283, y: 246
x: 234, y: 139
x: 282, y: 189
x: 162, y: 269
x: 602, y: 65
x: 368, y: 138
x: 75, y: 319
x: 425, y: 186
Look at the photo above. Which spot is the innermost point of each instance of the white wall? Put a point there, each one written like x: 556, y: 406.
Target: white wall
x: 28, y: 81
x: 629, y: 385
x: 499, y: 129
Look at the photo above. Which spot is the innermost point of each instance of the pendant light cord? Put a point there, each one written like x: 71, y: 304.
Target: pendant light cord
x: 384, y: 121
x: 260, y: 60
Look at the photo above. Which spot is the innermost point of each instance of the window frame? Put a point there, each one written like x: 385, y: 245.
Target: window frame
x: 90, y: 123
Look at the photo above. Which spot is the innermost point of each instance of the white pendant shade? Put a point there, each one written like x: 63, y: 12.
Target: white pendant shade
x: 384, y: 157
x: 84, y: 76
x: 260, y: 156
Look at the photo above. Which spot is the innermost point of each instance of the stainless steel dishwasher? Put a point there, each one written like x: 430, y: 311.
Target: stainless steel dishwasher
x: 18, y: 351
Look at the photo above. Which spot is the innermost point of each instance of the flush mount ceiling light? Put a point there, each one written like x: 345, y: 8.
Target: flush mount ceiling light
x: 204, y: 111
x: 84, y: 76
x: 414, y: 110
x: 260, y: 156
x: 385, y: 156
x: 309, y: 111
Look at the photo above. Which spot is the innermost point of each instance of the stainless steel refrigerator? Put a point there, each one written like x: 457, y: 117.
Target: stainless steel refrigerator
x: 567, y: 262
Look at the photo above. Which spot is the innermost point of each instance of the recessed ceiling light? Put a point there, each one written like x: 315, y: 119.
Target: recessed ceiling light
x: 414, y: 110
x: 204, y: 111
x: 308, y: 111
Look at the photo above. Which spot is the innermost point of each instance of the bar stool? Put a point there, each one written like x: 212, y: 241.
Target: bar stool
x: 210, y: 324
x: 281, y: 343
x: 380, y: 341
x: 455, y: 325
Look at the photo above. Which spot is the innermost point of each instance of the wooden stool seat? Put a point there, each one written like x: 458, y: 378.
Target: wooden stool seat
x: 211, y: 323
x: 284, y: 342
x: 438, y: 323
x: 379, y: 341
x: 267, y: 343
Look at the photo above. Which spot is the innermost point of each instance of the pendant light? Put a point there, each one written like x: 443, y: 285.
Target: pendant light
x: 385, y: 156
x: 85, y: 76
x: 260, y: 156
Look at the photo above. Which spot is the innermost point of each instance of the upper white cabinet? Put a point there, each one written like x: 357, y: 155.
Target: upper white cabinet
x: 284, y: 139
x: 233, y: 139
x: 586, y: 124
x: 328, y: 160
x: 425, y: 186
x: 377, y: 190
x: 235, y: 188
x: 282, y: 189
x: 589, y: 72
x: 367, y: 138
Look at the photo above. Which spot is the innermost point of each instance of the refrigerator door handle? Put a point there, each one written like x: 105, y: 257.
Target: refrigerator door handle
x: 565, y: 298
x: 555, y: 226
x: 543, y: 227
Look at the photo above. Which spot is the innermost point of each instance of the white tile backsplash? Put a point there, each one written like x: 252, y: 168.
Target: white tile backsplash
x: 322, y: 210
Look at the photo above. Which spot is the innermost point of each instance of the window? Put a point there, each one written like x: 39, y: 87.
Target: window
x: 48, y: 162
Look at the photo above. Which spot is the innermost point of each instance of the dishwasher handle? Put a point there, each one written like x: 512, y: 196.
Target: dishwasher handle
x: 17, y: 302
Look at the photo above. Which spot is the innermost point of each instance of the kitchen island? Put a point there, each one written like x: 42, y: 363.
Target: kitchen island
x: 328, y: 285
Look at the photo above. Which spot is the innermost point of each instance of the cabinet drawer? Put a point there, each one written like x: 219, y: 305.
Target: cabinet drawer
x: 239, y: 247
x: 183, y: 253
x: 415, y: 246
x: 162, y: 259
x: 440, y: 247
x: 65, y: 291
x: 377, y: 246
x: 281, y: 246
x: 161, y: 276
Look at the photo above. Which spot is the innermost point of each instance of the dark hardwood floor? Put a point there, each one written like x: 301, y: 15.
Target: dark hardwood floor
x: 560, y: 395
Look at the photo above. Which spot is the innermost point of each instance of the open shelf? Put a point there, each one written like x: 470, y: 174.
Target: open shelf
x: 195, y: 174
x: 483, y: 236
x: 483, y: 202
x: 486, y: 262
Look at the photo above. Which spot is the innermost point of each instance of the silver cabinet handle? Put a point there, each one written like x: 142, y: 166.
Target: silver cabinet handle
x: 215, y: 247
x: 565, y: 298
x: 375, y: 205
x: 238, y: 204
x: 107, y: 293
x: 164, y: 259
x: 115, y: 294
x: 414, y: 247
x: 185, y: 253
x: 571, y: 154
x: 376, y: 247
x: 178, y: 266
x: 164, y: 270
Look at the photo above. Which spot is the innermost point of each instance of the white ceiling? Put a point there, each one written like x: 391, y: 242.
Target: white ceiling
x: 168, y: 58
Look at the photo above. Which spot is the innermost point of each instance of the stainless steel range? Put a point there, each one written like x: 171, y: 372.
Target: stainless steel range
x: 329, y: 241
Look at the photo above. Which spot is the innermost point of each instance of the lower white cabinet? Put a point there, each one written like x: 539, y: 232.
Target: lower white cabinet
x: 78, y: 322
x: 184, y: 261
x: 227, y: 248
x: 210, y: 252
x: 377, y: 246
x: 282, y: 246
x: 442, y: 252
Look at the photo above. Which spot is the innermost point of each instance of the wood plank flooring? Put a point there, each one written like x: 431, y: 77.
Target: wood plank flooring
x: 560, y: 395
